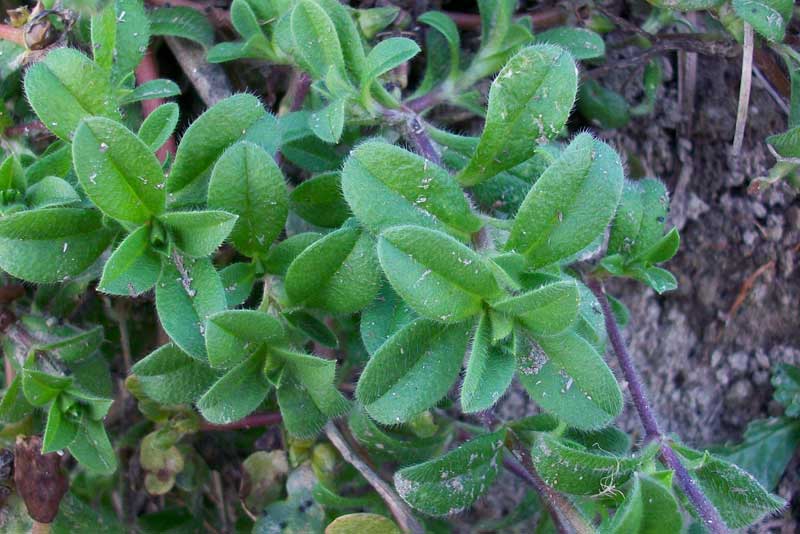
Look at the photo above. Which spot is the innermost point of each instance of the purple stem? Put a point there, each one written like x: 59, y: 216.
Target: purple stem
x: 626, y: 363
x: 415, y: 131
x: 702, y: 505
x: 426, y: 101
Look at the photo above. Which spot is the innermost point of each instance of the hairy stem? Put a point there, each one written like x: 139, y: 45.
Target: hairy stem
x: 402, y: 514
x: 561, y: 509
x: 702, y: 505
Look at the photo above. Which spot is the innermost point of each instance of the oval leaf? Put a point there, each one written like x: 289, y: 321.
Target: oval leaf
x: 436, y: 275
x: 118, y: 171
x: 386, y: 185
x: 451, y: 483
x: 339, y: 273
x: 570, y: 205
x: 529, y: 102
x: 412, y: 371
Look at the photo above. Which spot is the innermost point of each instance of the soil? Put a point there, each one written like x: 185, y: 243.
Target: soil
x: 707, y: 370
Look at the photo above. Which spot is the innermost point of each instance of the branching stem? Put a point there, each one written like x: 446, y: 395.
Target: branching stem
x: 402, y: 514
x: 702, y: 505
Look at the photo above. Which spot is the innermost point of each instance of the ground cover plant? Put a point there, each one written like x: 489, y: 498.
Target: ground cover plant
x: 294, y: 308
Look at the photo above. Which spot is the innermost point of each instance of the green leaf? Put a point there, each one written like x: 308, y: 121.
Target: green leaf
x: 187, y: 293
x: 233, y: 335
x: 451, y: 483
x: 489, y: 371
x: 238, y: 280
x: 237, y: 394
x: 183, y: 22
x: 529, y: 103
x: 383, y: 318
x: 49, y: 245
x: 133, y: 267
x: 315, y: 39
x: 388, y: 54
x: 767, y: 449
x: 282, y: 255
x: 319, y: 201
x: 119, y: 173
x: 570, y: 205
x: 628, y: 516
x: 568, y: 377
x: 448, y: 29
x: 92, y: 448
x: 327, y: 123
x: 159, y: 125
x: 571, y: 469
x: 386, y: 185
x: 546, y: 310
x: 662, y: 514
x: 40, y: 387
x: 228, y: 121
x: 386, y: 445
x: 373, y: 20
x: 659, y: 279
x: 339, y: 272
x: 51, y: 191
x: 737, y: 496
x: 198, y: 233
x: 12, y: 175
x: 580, y: 42
x: 59, y: 431
x: 67, y: 87
x: 170, y: 376
x: 133, y: 36
x: 56, y: 161
x: 412, y: 370
x: 14, y: 406
x: 639, y: 223
x: 435, y: 274
x: 768, y: 17
x: 149, y: 90
x: 244, y: 19
x: 604, y: 106
x: 306, y: 393
x: 76, y: 345
x: 665, y: 248
x: 786, y: 144
x: 104, y: 36
x: 787, y: 388
x: 312, y: 327
x: 247, y: 182
x: 362, y: 523
x: 349, y: 38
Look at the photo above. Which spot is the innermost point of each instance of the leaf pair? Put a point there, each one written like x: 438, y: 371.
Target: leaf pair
x: 637, y: 241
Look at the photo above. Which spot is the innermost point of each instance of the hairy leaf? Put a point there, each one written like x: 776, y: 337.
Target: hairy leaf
x: 449, y: 484
x: 412, y: 370
x: 529, y: 102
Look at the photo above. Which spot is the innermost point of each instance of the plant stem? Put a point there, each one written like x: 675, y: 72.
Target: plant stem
x: 744, y: 89
x: 414, y: 129
x: 402, y: 514
x: 702, y: 505
x: 10, y: 33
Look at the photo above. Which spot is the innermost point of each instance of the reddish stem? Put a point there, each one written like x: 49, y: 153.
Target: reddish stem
x: 702, y: 505
x: 146, y: 71
x: 10, y: 33
x: 251, y: 421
